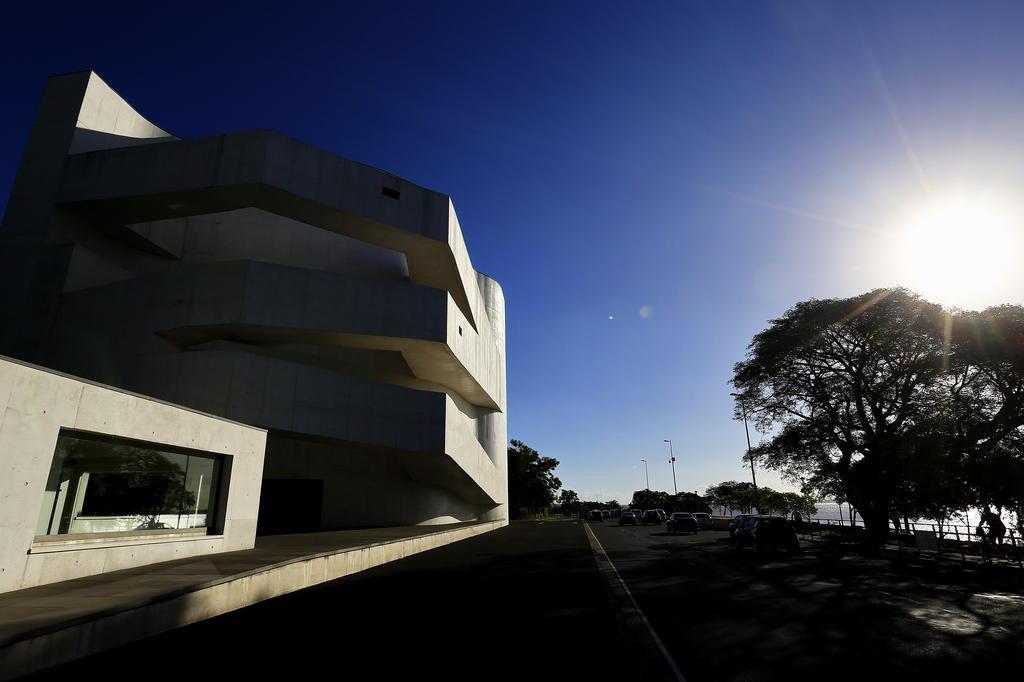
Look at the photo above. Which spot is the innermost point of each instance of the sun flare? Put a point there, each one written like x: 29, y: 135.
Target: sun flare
x: 963, y: 252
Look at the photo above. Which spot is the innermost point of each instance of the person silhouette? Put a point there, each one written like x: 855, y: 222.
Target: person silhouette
x: 986, y: 544
x: 996, y: 528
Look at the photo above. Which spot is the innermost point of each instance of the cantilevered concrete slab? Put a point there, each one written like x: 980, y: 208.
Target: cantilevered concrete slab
x: 265, y: 304
x: 280, y: 175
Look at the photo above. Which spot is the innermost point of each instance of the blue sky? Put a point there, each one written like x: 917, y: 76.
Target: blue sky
x: 706, y: 164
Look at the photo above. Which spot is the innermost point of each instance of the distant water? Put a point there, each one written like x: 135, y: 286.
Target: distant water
x: 830, y: 511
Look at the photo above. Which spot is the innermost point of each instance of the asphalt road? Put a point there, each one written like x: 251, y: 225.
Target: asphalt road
x: 530, y: 602
x: 728, y: 614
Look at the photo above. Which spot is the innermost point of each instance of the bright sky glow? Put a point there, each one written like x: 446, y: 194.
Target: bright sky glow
x: 962, y: 251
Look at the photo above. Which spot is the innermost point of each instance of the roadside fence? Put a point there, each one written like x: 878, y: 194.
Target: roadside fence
x: 948, y: 540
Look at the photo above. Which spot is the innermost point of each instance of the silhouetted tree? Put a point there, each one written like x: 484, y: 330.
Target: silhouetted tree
x: 689, y: 502
x: 986, y: 406
x: 871, y: 393
x: 531, y: 479
x: 658, y: 499
x: 735, y: 495
x: 568, y: 501
x: 732, y: 495
x: 650, y: 499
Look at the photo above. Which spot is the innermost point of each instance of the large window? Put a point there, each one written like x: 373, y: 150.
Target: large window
x: 99, y: 484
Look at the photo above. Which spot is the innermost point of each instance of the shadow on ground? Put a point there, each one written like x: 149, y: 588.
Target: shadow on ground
x: 512, y: 604
x: 729, y: 614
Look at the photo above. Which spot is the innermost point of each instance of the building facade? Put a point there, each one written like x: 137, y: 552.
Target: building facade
x: 262, y: 280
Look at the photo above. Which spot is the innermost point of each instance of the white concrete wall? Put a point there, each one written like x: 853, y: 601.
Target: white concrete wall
x: 106, y: 121
x: 35, y: 404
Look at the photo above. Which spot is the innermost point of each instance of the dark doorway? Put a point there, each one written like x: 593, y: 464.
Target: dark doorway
x: 290, y: 505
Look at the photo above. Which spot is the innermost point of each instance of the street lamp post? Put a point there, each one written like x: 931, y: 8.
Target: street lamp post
x: 746, y: 429
x: 646, y: 476
x: 672, y: 461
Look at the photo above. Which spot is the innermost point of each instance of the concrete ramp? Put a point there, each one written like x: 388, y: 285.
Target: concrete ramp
x: 53, y: 624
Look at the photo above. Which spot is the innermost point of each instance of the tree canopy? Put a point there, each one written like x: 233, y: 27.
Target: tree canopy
x: 657, y: 499
x: 891, y: 402
x: 740, y: 496
x: 568, y: 500
x: 531, y: 479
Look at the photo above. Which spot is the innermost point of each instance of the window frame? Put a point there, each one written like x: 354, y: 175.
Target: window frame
x: 217, y: 496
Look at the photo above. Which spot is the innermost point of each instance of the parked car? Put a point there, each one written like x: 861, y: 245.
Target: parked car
x: 595, y: 515
x: 765, y: 533
x: 736, y: 523
x: 662, y: 514
x: 628, y: 518
x: 704, y: 520
x: 606, y: 514
x: 681, y: 522
x: 651, y: 517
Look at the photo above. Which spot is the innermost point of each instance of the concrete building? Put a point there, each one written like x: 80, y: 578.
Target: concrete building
x: 262, y: 280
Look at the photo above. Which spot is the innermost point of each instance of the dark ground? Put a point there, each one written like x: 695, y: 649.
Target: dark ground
x: 527, y: 603
x: 727, y: 614
x: 523, y: 603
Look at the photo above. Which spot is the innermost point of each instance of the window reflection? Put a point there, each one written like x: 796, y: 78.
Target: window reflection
x: 105, y: 485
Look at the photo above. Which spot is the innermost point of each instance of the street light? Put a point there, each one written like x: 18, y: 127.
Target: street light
x: 753, y: 475
x: 646, y: 476
x: 672, y: 461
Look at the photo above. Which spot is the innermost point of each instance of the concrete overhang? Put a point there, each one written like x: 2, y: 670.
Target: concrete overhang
x: 431, y: 361
x: 468, y: 472
x: 280, y: 175
x: 273, y: 305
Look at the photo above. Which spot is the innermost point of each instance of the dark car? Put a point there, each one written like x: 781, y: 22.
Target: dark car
x: 595, y: 515
x: 704, y: 520
x: 767, y: 533
x: 736, y: 523
x: 681, y: 522
x: 651, y: 516
x: 628, y: 518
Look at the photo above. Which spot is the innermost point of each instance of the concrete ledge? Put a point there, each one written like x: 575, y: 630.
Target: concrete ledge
x: 33, y: 650
x: 73, y: 543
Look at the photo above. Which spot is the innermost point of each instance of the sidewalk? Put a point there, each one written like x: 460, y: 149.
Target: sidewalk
x: 51, y: 624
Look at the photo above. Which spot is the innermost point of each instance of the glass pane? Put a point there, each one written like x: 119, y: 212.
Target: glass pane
x: 100, y: 485
x: 199, y: 481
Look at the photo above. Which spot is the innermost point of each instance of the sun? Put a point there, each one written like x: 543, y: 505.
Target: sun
x: 963, y: 251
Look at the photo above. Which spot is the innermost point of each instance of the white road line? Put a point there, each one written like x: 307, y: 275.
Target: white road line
x: 599, y: 553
